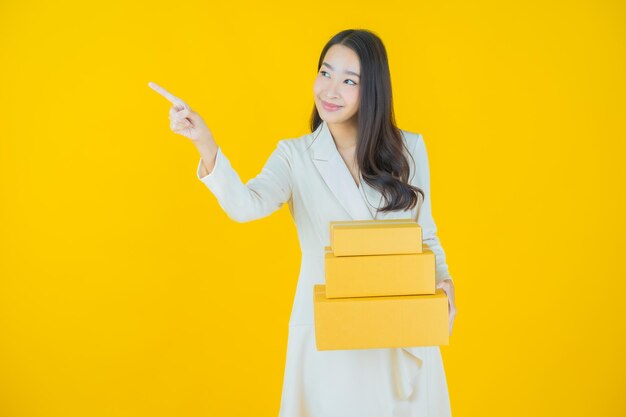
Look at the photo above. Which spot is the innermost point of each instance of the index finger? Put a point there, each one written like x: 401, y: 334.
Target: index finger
x: 171, y: 97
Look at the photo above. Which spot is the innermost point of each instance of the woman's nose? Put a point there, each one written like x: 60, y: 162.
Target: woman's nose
x: 331, y: 91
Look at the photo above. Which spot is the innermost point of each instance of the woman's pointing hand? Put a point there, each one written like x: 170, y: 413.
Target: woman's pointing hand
x: 183, y: 120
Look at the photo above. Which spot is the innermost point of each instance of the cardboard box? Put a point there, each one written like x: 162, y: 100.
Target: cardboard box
x: 375, y: 237
x: 380, y: 322
x: 379, y: 275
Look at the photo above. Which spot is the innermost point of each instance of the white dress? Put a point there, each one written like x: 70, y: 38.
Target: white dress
x: 309, y: 175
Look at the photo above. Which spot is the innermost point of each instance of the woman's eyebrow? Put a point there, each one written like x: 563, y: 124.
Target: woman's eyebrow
x: 347, y: 72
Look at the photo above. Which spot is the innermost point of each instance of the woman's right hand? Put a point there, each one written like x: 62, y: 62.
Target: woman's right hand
x: 183, y: 120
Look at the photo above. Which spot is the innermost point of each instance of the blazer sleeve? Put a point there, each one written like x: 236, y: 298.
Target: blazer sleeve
x: 260, y: 196
x: 426, y: 221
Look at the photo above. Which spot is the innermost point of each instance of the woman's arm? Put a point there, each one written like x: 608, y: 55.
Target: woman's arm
x: 208, y: 152
x: 426, y: 221
x: 429, y: 230
x: 260, y: 196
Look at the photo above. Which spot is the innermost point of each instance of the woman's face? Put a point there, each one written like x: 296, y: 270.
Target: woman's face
x: 337, y: 83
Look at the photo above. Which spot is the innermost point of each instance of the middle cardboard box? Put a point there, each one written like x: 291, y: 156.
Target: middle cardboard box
x: 379, y: 275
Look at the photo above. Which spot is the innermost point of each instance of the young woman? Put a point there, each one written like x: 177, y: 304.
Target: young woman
x: 354, y: 165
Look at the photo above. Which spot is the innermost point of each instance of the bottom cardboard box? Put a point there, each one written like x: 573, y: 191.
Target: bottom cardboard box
x: 380, y: 322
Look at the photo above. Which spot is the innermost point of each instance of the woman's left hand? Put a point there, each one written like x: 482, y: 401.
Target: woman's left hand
x: 448, y: 288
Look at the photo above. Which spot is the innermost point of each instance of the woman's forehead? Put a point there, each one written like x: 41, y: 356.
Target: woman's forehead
x: 342, y: 59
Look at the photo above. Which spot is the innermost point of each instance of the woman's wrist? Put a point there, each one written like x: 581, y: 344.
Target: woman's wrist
x: 208, y: 152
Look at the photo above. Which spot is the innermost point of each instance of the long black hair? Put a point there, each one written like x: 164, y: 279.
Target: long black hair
x: 380, y: 148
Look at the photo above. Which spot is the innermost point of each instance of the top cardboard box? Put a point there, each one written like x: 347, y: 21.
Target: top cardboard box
x: 375, y: 237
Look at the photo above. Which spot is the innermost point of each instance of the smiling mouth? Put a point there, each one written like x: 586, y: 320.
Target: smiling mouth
x: 330, y: 106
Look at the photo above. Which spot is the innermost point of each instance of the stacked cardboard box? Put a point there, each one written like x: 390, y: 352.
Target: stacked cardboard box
x: 380, y: 288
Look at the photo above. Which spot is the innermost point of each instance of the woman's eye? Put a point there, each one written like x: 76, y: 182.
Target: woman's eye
x: 324, y: 72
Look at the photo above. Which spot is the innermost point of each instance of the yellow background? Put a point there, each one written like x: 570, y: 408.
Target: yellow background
x: 122, y: 290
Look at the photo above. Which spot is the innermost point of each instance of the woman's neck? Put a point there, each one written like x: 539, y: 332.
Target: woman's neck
x: 344, y: 134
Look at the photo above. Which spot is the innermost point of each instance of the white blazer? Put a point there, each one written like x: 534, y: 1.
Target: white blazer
x: 309, y: 174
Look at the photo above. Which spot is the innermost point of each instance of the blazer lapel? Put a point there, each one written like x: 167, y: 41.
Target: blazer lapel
x: 337, y: 176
